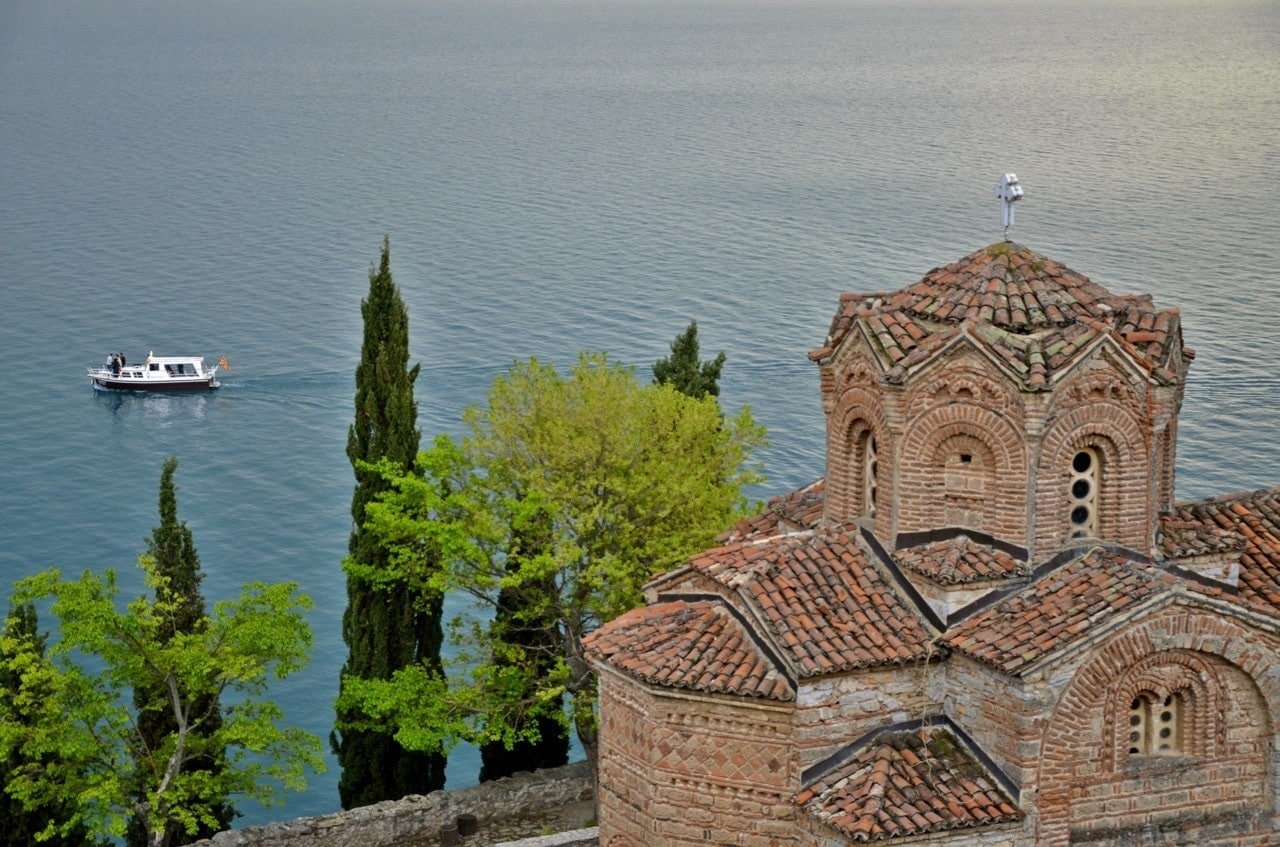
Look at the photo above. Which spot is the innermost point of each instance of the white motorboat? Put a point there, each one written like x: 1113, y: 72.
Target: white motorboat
x: 157, y: 373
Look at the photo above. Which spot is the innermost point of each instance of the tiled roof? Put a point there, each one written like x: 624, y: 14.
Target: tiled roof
x: 825, y: 605
x: 1057, y: 609
x: 906, y: 784
x: 1250, y: 521
x: 959, y: 561
x: 698, y: 646
x: 1031, y: 313
x: 1181, y: 538
x: 798, y: 510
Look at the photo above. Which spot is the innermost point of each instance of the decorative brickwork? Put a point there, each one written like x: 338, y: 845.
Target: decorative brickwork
x: 675, y: 771
x: 857, y: 420
x: 938, y: 488
x: 1089, y: 785
x: 1116, y: 436
x: 990, y: 625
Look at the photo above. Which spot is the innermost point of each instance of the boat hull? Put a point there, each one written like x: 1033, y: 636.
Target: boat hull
x: 155, y: 385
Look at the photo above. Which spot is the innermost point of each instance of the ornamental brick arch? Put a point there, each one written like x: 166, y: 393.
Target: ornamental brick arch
x: 1123, y: 503
x: 967, y: 380
x: 1159, y: 676
x: 856, y: 370
x: 936, y: 448
x: 858, y: 416
x: 1096, y: 379
x: 853, y: 365
x: 1083, y: 784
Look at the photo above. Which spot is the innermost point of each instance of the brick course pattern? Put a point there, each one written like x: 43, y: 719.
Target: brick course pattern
x: 975, y: 640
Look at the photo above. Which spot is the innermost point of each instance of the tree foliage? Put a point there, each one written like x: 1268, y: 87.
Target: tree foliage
x: 386, y: 627
x: 172, y: 549
x: 685, y: 371
x: 530, y: 639
x: 616, y: 480
x: 22, y: 648
x: 71, y: 724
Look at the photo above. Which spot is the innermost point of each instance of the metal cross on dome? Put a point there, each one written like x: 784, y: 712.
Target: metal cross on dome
x: 1008, y: 191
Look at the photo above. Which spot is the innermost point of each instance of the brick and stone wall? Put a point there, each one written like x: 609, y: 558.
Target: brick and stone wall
x: 832, y: 712
x: 1004, y: 716
x: 678, y: 770
x: 1221, y: 792
x: 963, y: 461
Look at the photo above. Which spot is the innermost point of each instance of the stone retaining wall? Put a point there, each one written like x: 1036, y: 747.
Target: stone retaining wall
x: 415, y: 818
x: 574, y: 838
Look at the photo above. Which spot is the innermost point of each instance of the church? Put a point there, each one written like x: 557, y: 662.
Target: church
x: 989, y: 624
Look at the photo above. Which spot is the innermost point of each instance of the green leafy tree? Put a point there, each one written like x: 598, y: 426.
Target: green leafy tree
x: 386, y: 626
x: 22, y: 648
x: 71, y: 723
x: 625, y: 480
x: 172, y: 549
x: 685, y: 371
x: 530, y: 640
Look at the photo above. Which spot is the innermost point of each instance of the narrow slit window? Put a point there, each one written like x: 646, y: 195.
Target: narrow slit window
x: 1168, y: 727
x: 1139, y: 709
x: 869, y: 469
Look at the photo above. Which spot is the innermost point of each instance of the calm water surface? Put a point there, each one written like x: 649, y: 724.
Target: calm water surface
x: 215, y: 177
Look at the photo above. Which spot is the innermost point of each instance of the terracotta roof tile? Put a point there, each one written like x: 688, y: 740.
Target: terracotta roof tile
x: 798, y: 510
x: 698, y: 646
x: 1057, y: 609
x: 1034, y: 314
x: 826, y: 606
x: 959, y: 561
x: 1250, y: 522
x: 905, y: 784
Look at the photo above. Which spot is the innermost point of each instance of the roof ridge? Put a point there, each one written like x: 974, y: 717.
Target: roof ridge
x: 1225, y: 498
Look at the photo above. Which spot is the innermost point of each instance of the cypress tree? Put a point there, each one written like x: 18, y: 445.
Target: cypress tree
x: 173, y: 548
x: 538, y: 642
x: 683, y: 370
x: 385, y: 629
x: 20, y: 824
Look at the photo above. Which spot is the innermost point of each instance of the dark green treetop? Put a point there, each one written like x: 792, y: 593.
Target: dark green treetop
x: 387, y: 627
x: 684, y: 371
x: 172, y: 548
x: 386, y: 421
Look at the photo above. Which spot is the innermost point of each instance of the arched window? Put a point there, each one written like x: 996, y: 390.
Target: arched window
x: 869, y: 468
x: 1155, y: 726
x: 1086, y: 469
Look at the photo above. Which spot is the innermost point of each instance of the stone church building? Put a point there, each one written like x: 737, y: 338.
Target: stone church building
x: 990, y: 623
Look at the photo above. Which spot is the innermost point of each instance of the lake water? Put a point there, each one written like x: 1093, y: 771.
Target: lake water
x: 215, y: 177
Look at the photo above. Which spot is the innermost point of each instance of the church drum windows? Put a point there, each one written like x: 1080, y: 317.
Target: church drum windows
x: 1082, y: 503
x: 869, y: 470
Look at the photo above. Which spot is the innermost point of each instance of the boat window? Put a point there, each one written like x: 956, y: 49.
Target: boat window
x: 154, y: 366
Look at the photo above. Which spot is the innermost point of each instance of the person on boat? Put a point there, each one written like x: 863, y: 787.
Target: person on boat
x: 114, y: 363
